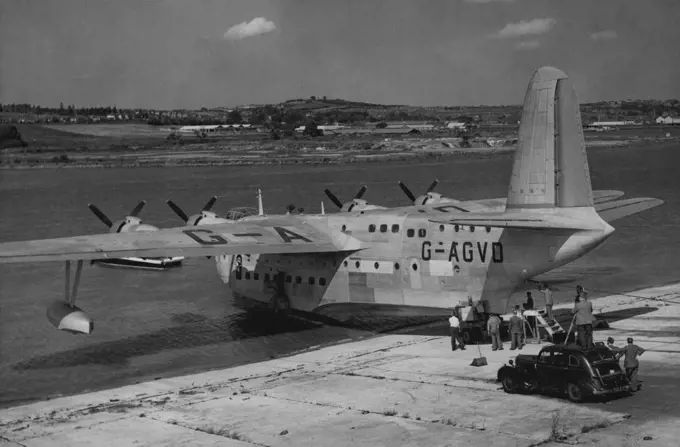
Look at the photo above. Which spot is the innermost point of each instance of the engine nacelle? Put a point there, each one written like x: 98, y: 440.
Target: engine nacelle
x: 69, y: 318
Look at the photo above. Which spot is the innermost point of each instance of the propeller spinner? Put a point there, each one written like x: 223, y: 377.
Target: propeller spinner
x: 430, y: 197
x: 205, y: 216
x: 130, y: 223
x: 351, y: 205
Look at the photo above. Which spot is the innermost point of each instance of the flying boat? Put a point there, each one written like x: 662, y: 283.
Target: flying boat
x: 426, y: 257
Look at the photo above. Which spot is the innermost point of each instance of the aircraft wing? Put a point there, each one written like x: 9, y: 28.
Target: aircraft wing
x: 273, y: 235
x: 611, y: 211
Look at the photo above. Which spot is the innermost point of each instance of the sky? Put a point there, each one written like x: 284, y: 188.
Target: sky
x: 168, y: 54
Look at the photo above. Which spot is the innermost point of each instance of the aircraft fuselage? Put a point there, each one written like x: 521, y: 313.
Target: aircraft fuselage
x: 411, y: 264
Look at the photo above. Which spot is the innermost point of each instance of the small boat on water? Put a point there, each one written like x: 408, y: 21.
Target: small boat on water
x: 141, y: 263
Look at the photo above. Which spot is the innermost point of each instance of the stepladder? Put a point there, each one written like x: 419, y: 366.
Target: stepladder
x: 539, y: 317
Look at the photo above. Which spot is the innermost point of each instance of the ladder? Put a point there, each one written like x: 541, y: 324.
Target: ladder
x: 550, y: 329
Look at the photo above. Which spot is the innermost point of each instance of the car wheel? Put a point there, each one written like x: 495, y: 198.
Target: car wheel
x: 574, y: 392
x: 530, y: 386
x: 510, y: 385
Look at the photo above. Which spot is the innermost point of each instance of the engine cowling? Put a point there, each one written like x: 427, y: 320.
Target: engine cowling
x: 69, y: 318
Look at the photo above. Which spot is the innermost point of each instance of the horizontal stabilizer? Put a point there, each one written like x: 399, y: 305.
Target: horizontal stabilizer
x: 611, y: 211
x: 604, y: 195
x: 520, y: 220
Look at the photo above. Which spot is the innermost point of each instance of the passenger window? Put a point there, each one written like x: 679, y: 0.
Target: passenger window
x: 573, y: 361
x: 383, y: 228
x: 311, y: 280
x: 289, y: 278
x: 395, y: 228
x: 266, y: 276
x: 422, y: 232
x: 256, y: 276
x: 559, y: 359
x: 441, y: 228
x: 247, y: 275
x: 298, y: 280
x: 544, y: 357
x: 322, y: 281
x: 410, y: 232
x: 371, y: 228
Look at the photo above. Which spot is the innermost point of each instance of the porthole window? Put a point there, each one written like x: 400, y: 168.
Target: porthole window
x: 371, y: 228
x: 345, y: 263
x: 344, y: 228
x: 376, y: 265
x: 410, y: 232
x: 311, y: 280
x: 472, y: 228
x: 383, y: 228
x: 422, y: 232
x: 357, y: 264
x: 395, y: 228
x: 396, y: 266
x: 298, y: 280
x: 441, y: 228
x: 456, y: 228
x: 322, y: 281
x: 415, y: 267
x: 488, y: 229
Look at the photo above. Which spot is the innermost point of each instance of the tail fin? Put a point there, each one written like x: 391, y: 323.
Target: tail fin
x: 550, y: 168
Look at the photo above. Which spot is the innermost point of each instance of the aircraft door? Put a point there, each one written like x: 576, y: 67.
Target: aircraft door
x: 415, y: 275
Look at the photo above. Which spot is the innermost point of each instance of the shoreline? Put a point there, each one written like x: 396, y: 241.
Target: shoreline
x: 355, y: 334
x: 375, y: 391
x: 215, y: 158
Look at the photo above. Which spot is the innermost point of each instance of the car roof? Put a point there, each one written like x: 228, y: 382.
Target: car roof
x: 577, y: 349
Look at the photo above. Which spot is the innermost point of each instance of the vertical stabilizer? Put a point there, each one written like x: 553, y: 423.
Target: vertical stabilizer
x: 550, y: 169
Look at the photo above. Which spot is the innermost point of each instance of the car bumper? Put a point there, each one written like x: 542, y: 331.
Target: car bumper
x: 617, y: 390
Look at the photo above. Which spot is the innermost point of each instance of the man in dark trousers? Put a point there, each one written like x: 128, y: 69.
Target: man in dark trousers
x: 493, y: 325
x: 631, y: 353
x: 516, y: 331
x: 454, y: 323
x: 584, y: 319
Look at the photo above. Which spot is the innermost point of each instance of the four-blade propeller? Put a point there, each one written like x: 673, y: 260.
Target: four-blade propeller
x: 337, y: 201
x: 196, y: 218
x: 124, y: 224
x: 410, y: 195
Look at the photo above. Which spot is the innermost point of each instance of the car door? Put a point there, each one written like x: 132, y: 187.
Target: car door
x: 545, y: 369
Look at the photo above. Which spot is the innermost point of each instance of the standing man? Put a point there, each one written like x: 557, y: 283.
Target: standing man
x: 494, y: 328
x: 584, y: 319
x: 455, y: 332
x: 516, y: 330
x: 547, y: 295
x: 631, y: 353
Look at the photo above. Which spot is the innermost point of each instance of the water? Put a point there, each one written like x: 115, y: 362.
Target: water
x: 155, y: 324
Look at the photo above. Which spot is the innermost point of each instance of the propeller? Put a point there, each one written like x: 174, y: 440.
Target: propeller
x: 337, y: 201
x: 410, y: 195
x: 129, y: 223
x: 196, y: 218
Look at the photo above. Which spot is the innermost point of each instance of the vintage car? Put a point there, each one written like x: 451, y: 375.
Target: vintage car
x: 566, y: 369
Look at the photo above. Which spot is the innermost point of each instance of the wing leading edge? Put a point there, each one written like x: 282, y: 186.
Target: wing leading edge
x: 290, y: 235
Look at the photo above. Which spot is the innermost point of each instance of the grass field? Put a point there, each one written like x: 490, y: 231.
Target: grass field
x: 134, y: 144
x: 127, y: 130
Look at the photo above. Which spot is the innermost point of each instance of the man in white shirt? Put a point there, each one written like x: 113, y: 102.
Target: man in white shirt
x: 454, y: 322
x: 547, y: 295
